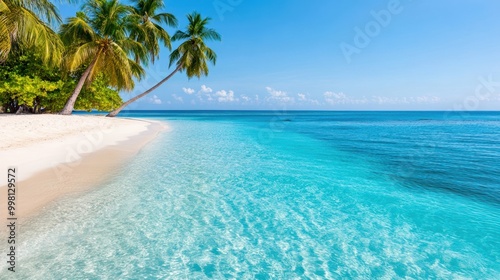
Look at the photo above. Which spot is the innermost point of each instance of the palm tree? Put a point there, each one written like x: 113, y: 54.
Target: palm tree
x: 26, y: 24
x: 147, y: 26
x: 97, y: 39
x: 191, y: 56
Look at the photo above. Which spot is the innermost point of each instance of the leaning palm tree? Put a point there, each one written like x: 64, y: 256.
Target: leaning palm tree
x: 97, y: 39
x: 191, y: 56
x: 26, y: 24
x: 147, y: 27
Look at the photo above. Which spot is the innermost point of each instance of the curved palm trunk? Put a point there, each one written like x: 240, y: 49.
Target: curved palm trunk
x: 70, y: 104
x: 125, y: 104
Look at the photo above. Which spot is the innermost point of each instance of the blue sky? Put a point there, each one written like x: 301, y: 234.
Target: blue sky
x: 337, y: 55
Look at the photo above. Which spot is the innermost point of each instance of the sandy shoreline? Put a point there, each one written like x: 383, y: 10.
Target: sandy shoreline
x: 61, y: 155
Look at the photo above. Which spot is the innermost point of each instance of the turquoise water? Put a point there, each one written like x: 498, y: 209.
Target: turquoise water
x: 286, y: 195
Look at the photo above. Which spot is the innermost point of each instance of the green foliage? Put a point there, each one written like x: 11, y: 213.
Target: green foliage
x: 26, y: 90
x: 98, y: 96
x: 26, y: 81
x: 99, y: 37
x: 103, y: 48
x: 193, y: 54
x: 26, y: 24
x: 146, y: 27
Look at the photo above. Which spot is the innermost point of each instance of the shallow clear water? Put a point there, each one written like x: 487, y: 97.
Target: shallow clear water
x: 283, y: 195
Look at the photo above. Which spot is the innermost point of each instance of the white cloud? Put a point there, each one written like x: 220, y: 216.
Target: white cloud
x: 383, y: 100
x: 188, y: 90
x: 155, y: 100
x: 428, y: 99
x: 177, y: 98
x: 225, y: 96
x: 336, y: 98
x: 278, y: 95
x: 406, y: 100
x: 205, y: 89
x: 333, y: 98
x: 245, y: 98
x: 205, y: 92
x: 305, y: 99
x: 275, y: 93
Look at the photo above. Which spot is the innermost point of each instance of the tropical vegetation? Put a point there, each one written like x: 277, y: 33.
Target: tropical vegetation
x: 191, y: 56
x: 27, y: 85
x: 146, y: 27
x: 98, y: 37
x: 26, y: 24
x: 94, y: 55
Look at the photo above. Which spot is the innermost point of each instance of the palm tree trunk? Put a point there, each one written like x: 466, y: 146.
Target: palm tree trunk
x: 125, y: 104
x: 70, y: 104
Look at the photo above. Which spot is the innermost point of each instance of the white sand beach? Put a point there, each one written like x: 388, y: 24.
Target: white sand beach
x: 55, y: 155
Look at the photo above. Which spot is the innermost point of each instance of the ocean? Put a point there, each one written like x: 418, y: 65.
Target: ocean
x: 286, y: 195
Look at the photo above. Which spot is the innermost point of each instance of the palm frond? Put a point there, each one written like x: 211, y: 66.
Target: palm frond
x: 5, y: 41
x: 193, y: 54
x: 119, y: 69
x: 25, y: 24
x: 211, y: 34
x: 78, y: 55
x: 211, y: 55
x: 3, y: 7
x: 147, y: 27
x: 180, y: 35
x: 43, y: 9
x: 132, y: 47
x: 28, y: 31
x: 77, y: 29
x: 166, y: 18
